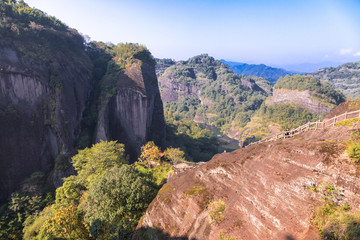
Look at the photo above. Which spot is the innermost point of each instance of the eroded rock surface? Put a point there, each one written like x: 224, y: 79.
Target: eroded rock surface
x: 301, y: 98
x: 135, y: 114
x: 265, y: 188
x: 38, y: 119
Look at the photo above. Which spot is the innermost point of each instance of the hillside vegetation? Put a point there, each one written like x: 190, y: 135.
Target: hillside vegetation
x: 206, y: 90
x: 345, y: 78
x: 37, y: 35
x: 320, y: 90
x: 104, y: 200
x: 272, y: 118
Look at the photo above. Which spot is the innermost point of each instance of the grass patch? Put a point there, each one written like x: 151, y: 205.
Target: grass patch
x: 348, y: 123
x: 353, y: 150
x: 337, y: 222
x: 196, y: 190
x: 165, y: 193
x: 224, y: 236
x: 216, y: 211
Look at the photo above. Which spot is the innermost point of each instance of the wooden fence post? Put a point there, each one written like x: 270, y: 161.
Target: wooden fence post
x: 308, y: 125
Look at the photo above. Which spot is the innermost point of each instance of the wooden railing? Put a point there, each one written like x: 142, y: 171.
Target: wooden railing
x: 310, y: 126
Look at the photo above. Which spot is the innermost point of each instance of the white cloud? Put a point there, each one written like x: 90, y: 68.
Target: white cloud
x: 357, y: 54
x: 326, y: 56
x: 345, y: 51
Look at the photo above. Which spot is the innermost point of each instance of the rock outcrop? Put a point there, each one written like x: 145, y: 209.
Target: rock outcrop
x: 134, y: 114
x: 50, y: 78
x: 172, y: 89
x: 265, y: 189
x: 301, y: 98
x: 38, y: 121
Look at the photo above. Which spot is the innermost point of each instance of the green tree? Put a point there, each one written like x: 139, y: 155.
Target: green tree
x: 174, y: 155
x: 67, y: 223
x: 117, y: 201
x: 92, y: 163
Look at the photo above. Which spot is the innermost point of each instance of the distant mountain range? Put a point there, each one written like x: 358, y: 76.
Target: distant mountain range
x: 261, y: 70
x: 308, y: 67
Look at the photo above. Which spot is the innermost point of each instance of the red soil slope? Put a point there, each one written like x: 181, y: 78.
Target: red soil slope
x: 265, y: 188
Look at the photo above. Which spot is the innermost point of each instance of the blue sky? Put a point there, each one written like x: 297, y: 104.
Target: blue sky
x: 276, y: 32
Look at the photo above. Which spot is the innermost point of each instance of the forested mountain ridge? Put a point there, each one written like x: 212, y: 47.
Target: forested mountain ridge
x: 206, y: 90
x: 261, y: 70
x: 345, y: 78
x: 293, y: 100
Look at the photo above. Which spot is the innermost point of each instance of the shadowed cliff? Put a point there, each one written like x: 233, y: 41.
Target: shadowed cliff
x: 59, y: 93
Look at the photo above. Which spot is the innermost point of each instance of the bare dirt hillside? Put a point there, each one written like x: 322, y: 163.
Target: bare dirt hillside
x: 264, y: 188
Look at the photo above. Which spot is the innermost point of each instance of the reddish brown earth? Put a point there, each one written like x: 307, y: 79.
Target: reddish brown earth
x: 265, y: 188
x: 348, y: 106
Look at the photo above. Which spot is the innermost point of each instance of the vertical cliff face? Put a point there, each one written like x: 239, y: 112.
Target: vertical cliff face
x: 301, y: 98
x: 134, y: 114
x: 49, y: 77
x: 41, y: 107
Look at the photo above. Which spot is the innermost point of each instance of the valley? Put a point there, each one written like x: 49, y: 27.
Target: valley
x: 105, y: 141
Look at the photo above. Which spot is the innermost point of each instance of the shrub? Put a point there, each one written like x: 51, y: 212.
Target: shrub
x: 216, y: 211
x: 354, y: 153
x: 336, y: 222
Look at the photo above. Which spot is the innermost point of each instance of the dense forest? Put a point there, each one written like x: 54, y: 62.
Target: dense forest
x: 206, y: 90
x: 105, y: 200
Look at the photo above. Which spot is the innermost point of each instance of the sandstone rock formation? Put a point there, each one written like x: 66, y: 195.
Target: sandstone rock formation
x: 265, y: 188
x: 135, y: 114
x: 38, y: 121
x: 172, y: 89
x: 301, y: 98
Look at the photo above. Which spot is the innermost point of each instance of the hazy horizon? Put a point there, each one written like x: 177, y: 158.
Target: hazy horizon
x: 276, y: 33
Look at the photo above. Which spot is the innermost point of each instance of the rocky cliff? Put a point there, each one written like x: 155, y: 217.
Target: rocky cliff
x: 301, y: 98
x: 134, y: 114
x: 262, y: 191
x: 49, y: 77
x: 41, y: 110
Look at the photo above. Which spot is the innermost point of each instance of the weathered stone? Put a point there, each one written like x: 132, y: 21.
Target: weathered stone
x: 135, y: 114
x: 37, y: 121
x: 301, y: 98
x: 265, y: 188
